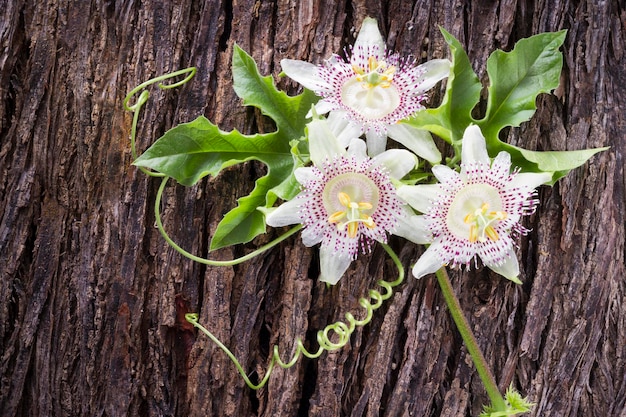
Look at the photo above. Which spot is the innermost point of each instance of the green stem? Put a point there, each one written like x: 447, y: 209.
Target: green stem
x: 168, y: 239
x: 497, y: 401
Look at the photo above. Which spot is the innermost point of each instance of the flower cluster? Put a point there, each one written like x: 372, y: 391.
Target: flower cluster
x: 349, y: 200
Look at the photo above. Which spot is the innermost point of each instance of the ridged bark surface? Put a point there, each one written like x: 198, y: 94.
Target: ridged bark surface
x: 92, y: 300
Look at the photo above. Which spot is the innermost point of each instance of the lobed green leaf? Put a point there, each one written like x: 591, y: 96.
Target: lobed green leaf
x: 191, y: 151
x: 451, y: 118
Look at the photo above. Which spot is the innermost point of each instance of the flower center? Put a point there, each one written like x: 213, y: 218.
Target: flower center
x: 378, y: 73
x: 481, y: 222
x: 371, y: 93
x: 475, y: 211
x: 351, y: 199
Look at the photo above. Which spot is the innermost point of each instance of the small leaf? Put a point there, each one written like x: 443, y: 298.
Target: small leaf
x: 256, y: 90
x: 516, y: 79
x: 557, y: 162
x: 193, y: 150
x: 449, y: 120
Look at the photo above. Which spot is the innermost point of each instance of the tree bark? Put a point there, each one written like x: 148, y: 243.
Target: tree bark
x: 92, y: 300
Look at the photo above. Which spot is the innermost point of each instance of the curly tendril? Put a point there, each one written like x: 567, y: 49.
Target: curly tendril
x: 143, y: 97
x: 340, y: 330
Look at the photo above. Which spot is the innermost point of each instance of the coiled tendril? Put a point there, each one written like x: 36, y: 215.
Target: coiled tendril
x: 342, y: 330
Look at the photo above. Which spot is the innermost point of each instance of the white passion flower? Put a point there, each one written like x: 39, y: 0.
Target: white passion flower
x: 474, y: 213
x: 374, y: 90
x: 347, y: 201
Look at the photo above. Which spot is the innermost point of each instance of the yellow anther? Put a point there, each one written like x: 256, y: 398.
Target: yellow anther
x: 491, y: 233
x: 336, y: 217
x: 344, y: 199
x: 352, y: 228
x: 481, y: 224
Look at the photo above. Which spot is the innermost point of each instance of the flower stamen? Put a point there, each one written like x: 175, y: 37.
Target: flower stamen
x: 378, y: 74
x: 354, y: 213
x: 481, y: 223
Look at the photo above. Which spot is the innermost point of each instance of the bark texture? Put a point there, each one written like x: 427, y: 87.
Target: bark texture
x: 92, y: 300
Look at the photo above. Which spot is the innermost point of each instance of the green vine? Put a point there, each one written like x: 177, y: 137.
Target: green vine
x: 343, y: 330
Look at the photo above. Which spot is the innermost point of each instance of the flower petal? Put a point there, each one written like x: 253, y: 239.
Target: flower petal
x: 369, y: 37
x: 398, y: 162
x: 323, y: 144
x: 474, y: 148
x: 432, y: 72
x: 417, y: 140
x: 509, y: 269
x: 413, y: 227
x: 530, y: 179
x: 303, y: 73
x: 445, y: 174
x: 332, y: 265
x: 376, y: 142
x: 311, y: 236
x: 322, y: 107
x: 419, y: 196
x: 428, y: 263
x: 305, y: 174
x: 358, y: 149
x: 285, y: 214
x: 344, y: 129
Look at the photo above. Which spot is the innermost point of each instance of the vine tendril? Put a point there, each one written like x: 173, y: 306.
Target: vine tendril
x: 205, y: 261
x: 143, y: 97
x: 342, y: 330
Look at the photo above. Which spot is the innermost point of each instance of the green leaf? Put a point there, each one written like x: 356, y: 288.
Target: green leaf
x: 557, y: 162
x: 258, y: 91
x: 516, y: 79
x: 190, y: 151
x: 449, y: 120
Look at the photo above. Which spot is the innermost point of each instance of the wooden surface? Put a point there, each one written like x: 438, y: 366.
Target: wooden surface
x: 92, y: 300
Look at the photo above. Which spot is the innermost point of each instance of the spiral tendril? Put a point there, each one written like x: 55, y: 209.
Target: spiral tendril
x: 143, y: 97
x: 340, y: 329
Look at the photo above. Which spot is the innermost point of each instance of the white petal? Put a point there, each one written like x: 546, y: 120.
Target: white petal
x: 344, y: 129
x: 332, y: 265
x: 376, y: 142
x: 322, y: 142
x: 304, y: 73
x: 358, y: 149
x: 304, y: 174
x: 398, y: 162
x: 311, y: 237
x: 531, y: 179
x: 369, y: 37
x: 285, y: 214
x: 413, y: 227
x: 322, y: 107
x: 420, y: 197
x: 417, y: 140
x: 428, y: 263
x: 474, y: 148
x: 444, y: 173
x: 509, y: 269
x: 433, y: 71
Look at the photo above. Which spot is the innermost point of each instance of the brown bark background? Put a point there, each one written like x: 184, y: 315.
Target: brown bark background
x: 92, y: 299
